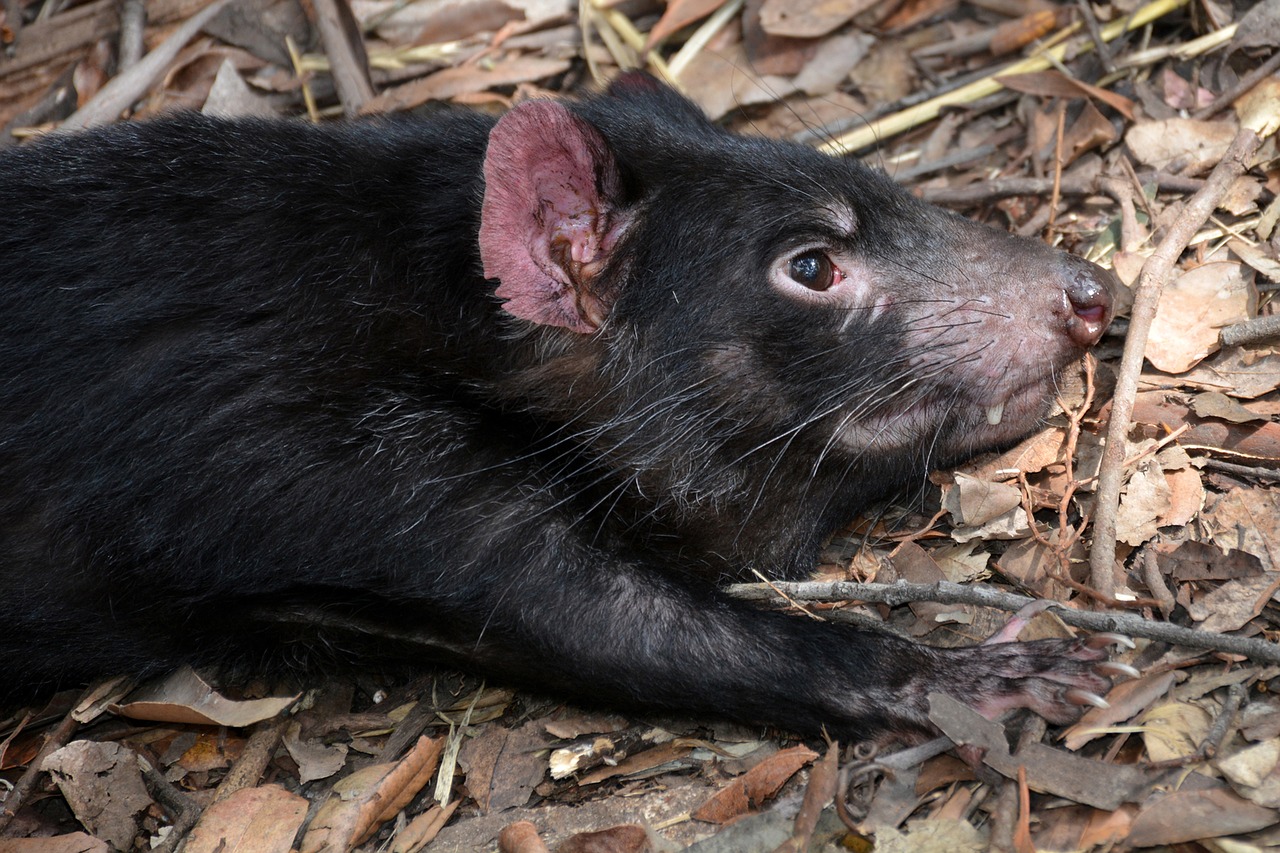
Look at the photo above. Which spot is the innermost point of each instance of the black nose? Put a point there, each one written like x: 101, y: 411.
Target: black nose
x: 1088, y: 292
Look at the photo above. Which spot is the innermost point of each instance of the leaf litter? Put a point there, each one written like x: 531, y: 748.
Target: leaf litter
x: 1091, y: 125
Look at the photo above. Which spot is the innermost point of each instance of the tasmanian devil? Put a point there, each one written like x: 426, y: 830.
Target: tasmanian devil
x: 525, y: 388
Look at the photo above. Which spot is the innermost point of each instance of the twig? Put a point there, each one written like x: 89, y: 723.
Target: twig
x: 1155, y: 581
x: 945, y: 592
x: 914, y: 116
x: 1252, y: 331
x: 22, y: 789
x: 125, y: 88
x: 1155, y: 272
x: 180, y: 806
x: 1231, y: 94
x: 348, y: 62
x: 1071, y: 185
x: 257, y: 754
x: 133, y: 22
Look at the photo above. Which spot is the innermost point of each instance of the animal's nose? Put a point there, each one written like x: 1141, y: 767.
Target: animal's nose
x: 1088, y: 292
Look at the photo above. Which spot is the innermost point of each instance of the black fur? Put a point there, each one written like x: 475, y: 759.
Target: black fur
x: 252, y: 380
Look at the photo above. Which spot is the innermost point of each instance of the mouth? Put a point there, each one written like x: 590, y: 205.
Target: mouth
x: 951, y: 426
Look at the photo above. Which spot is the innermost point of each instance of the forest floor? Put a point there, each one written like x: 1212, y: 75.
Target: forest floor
x: 1136, y: 134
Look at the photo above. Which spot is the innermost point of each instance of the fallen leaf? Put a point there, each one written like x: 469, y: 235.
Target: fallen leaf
x: 363, y: 801
x: 808, y: 18
x: 103, y: 785
x: 264, y: 819
x: 1183, y: 816
x: 74, y: 842
x: 628, y: 838
x: 1193, y: 308
x: 1174, y: 730
x: 184, y: 697
x: 1254, y: 772
x: 752, y: 788
x: 1160, y: 143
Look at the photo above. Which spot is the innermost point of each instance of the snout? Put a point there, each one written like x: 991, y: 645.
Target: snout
x: 1087, y: 299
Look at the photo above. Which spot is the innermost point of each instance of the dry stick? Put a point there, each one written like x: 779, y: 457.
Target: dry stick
x: 1071, y: 185
x: 252, y: 763
x: 898, y: 122
x: 133, y: 21
x: 126, y: 87
x: 945, y: 592
x: 57, y: 739
x: 348, y: 62
x: 1243, y: 85
x: 1155, y: 272
x: 1251, y: 331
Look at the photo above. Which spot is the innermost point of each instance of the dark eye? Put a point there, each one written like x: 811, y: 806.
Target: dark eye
x: 813, y: 269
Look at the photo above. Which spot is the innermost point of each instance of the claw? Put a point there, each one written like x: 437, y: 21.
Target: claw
x: 1109, y: 638
x: 1114, y: 667
x: 1018, y: 621
x: 1085, y: 697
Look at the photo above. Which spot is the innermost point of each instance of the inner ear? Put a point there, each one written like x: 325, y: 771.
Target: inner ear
x: 550, y: 216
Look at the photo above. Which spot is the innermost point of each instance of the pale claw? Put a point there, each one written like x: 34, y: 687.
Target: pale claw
x: 1109, y: 638
x: 1018, y: 621
x: 1085, y: 697
x: 1114, y: 667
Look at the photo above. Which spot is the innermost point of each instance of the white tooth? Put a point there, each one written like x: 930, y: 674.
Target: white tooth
x: 995, y: 413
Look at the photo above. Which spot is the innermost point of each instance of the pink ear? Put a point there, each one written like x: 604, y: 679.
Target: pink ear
x: 548, y: 220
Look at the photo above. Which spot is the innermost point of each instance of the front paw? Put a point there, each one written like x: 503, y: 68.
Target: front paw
x: 1057, y: 679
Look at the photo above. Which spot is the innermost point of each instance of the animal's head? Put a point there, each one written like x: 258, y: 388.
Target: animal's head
x: 750, y: 296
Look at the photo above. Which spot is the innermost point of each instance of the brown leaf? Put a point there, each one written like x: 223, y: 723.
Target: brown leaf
x: 808, y: 18
x: 423, y: 828
x: 103, y: 785
x: 1053, y: 83
x: 1126, y: 699
x: 1192, y: 815
x: 451, y: 82
x: 361, y: 802
x: 504, y: 765
x: 184, y: 697
x: 680, y: 14
x: 521, y: 837
x: 1020, y: 32
x: 638, y: 763
x: 755, y: 786
x: 628, y: 838
x: 75, y: 842
x: 1193, y: 308
x: 252, y: 820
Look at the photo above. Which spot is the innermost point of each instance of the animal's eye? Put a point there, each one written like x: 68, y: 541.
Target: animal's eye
x: 814, y: 270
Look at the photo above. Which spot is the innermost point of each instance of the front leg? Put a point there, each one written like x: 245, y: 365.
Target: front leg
x: 611, y: 628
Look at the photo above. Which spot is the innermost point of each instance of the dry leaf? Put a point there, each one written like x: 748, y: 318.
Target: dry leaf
x: 1234, y: 603
x: 1174, y: 730
x: 366, y: 799
x: 1126, y: 699
x: 75, y: 842
x: 1183, y: 816
x: 808, y: 18
x: 184, y: 697
x: 315, y: 759
x: 1144, y: 502
x: 678, y: 15
x: 1255, y: 772
x: 1193, y: 308
x: 1160, y: 143
x: 264, y: 819
x: 103, y: 785
x: 628, y: 838
x: 752, y: 788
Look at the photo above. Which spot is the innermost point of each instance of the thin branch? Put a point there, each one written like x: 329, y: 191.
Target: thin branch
x: 945, y: 592
x: 1156, y: 271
